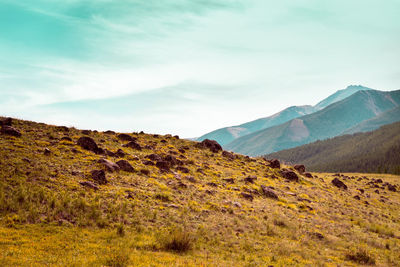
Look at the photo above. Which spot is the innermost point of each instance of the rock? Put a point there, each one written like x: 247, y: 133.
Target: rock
x: 133, y: 145
x: 191, y: 179
x: 212, y: 145
x: 361, y: 190
x: 290, y: 175
x: 8, y: 130
x: 250, y: 179
x: 308, y: 175
x: 247, y: 196
x: 268, y: 192
x: 163, y: 165
x: 391, y: 188
x: 26, y: 160
x: 145, y: 172
x: 89, y: 144
x: 66, y: 138
x: 47, y: 151
x: 154, y: 157
x: 182, y: 169
x: 86, y: 132
x: 357, y: 197
x: 125, y: 165
x: 6, y: 122
x: 336, y: 182
x: 109, y: 153
x: 109, y: 132
x: 228, y: 155
x: 176, y: 137
x: 236, y: 204
x: 172, y: 160
x: 274, y: 163
x: 148, y: 163
x: 120, y: 153
x: 229, y: 180
x: 99, y: 176
x: 163, y: 141
x: 110, y: 166
x: 89, y: 184
x: 126, y: 137
x: 300, y: 168
x: 212, y: 184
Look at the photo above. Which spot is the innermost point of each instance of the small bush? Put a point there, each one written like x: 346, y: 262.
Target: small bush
x: 178, y: 240
x: 361, y: 256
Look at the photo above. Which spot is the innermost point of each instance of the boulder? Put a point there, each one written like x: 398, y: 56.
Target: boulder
x: 308, y: 175
x: 148, y: 163
x: 89, y: 144
x: 8, y: 130
x: 99, y: 176
x: 109, y: 132
x: 247, y: 196
x: 6, y: 122
x: 300, y: 168
x: 110, y: 166
x: 163, y: 165
x: 133, y: 145
x: 125, y: 165
x: 250, y: 179
x: 290, y: 175
x: 126, y: 137
x: 228, y: 155
x: 274, y: 163
x: 336, y: 182
x: 268, y: 192
x: 212, y: 145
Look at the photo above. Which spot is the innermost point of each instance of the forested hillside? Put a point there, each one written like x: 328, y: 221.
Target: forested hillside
x: 377, y: 152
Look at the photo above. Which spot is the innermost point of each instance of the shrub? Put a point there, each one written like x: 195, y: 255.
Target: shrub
x: 178, y: 240
x: 361, y: 256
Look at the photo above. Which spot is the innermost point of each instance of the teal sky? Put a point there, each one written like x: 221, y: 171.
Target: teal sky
x: 188, y: 66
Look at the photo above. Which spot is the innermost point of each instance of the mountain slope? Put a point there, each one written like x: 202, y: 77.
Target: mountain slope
x: 387, y: 117
x: 63, y: 202
x: 376, y: 151
x: 328, y: 122
x: 228, y: 134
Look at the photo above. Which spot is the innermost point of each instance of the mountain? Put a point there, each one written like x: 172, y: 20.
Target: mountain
x: 387, y: 117
x: 228, y: 134
x: 377, y: 151
x: 71, y: 197
x: 340, y: 95
x: 326, y: 123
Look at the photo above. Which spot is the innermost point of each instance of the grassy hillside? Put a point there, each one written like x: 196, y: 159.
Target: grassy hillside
x: 377, y: 152
x: 182, y: 204
x: 326, y: 123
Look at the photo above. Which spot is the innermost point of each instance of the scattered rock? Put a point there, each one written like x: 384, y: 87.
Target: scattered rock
x: 182, y: 169
x: 336, y: 182
x: 126, y: 137
x: 163, y: 165
x: 172, y: 160
x: 212, y: 184
x: 148, y: 163
x: 154, y: 157
x: 250, y: 179
x: 274, y: 163
x: 290, y: 175
x: 89, y: 144
x: 300, y: 168
x: 6, y: 122
x: 109, y: 153
x: 268, y: 192
x: 229, y: 180
x: 308, y: 175
x: 133, y: 145
x: 99, y: 176
x: 8, y: 130
x: 120, y: 153
x: 391, y: 188
x: 47, y: 151
x: 125, y: 165
x: 212, y: 145
x: 228, y: 155
x: 89, y: 184
x: 110, y: 166
x: 191, y: 179
x: 247, y: 196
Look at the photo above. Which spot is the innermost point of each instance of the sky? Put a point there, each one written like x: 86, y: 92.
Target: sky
x: 188, y: 67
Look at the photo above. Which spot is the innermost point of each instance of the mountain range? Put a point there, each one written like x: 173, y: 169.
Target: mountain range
x: 351, y: 110
x: 376, y: 151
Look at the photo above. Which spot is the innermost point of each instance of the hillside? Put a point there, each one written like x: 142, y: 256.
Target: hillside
x: 72, y: 197
x: 227, y: 134
x: 326, y: 123
x: 377, y: 151
x: 387, y: 117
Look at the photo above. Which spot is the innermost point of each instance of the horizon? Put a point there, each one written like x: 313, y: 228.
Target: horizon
x: 187, y: 68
